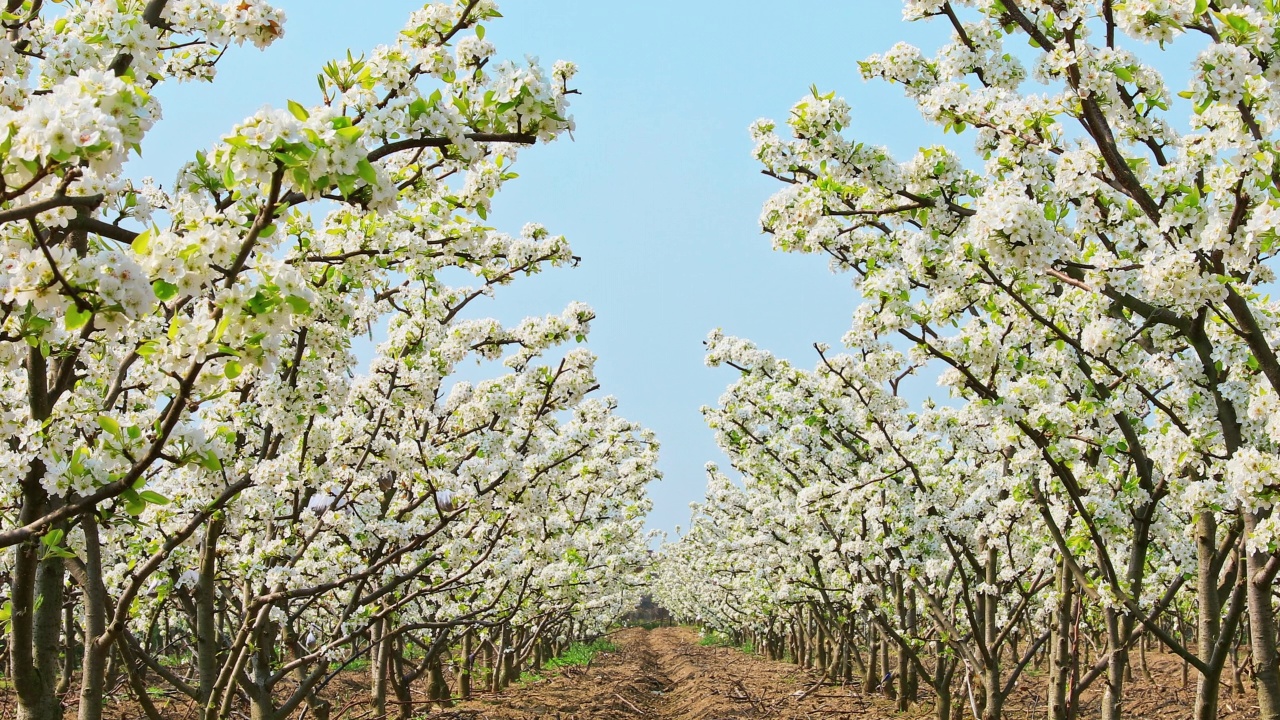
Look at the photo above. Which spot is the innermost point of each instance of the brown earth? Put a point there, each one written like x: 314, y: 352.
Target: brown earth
x: 664, y: 674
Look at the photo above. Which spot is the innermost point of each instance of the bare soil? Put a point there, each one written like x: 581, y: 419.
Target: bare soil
x: 664, y: 674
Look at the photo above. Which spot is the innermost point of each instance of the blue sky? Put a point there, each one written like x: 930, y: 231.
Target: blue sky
x: 657, y: 192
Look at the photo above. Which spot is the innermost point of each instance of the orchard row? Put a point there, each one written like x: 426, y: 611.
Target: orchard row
x: 1099, y: 473
x: 210, y: 499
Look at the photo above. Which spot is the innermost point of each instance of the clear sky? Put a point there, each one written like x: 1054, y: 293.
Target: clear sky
x: 657, y: 192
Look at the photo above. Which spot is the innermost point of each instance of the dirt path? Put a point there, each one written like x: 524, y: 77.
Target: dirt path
x: 665, y: 675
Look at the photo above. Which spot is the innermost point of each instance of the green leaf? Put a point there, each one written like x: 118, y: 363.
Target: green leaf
x: 1236, y: 22
x: 109, y: 424
x: 211, y: 462
x: 153, y: 497
x: 299, y: 305
x: 232, y: 369
x: 346, y: 185
x: 298, y: 111
x: 350, y: 134
x: 365, y: 170
x: 164, y: 290
x: 221, y: 329
x: 301, y: 178
x: 76, y: 318
x: 77, y: 460
x: 142, y: 242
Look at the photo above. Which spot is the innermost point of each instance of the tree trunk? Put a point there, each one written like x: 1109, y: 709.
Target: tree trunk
x: 137, y: 679
x: 96, y: 645
x: 1060, y: 647
x: 873, y: 665
x: 464, y: 671
x: 1113, y: 689
x: 1262, y: 628
x: 820, y: 646
x: 380, y: 656
x: 437, y: 688
x: 988, y: 603
x: 913, y: 672
x: 1210, y: 614
x: 261, y: 704
x: 1237, y: 670
x: 900, y: 601
x: 499, y: 661
x: 886, y: 682
x: 68, y: 670
x: 35, y: 625
x: 401, y: 678
x: 944, y: 671
x: 206, y: 618
x: 510, y: 669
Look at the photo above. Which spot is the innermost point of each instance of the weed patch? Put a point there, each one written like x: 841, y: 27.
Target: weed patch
x: 581, y: 653
x: 715, y: 639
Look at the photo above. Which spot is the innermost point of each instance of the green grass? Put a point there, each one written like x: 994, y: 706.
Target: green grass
x: 360, y: 663
x: 578, y: 654
x: 715, y: 639
x: 527, y: 677
x: 581, y: 653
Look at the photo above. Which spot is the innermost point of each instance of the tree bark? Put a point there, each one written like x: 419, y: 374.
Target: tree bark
x: 1262, y: 628
x: 68, y: 639
x: 1209, y: 618
x: 36, y: 624
x: 96, y: 644
x: 380, y: 656
x: 1060, y: 647
x: 464, y: 672
x: 207, y: 645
